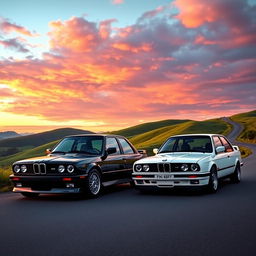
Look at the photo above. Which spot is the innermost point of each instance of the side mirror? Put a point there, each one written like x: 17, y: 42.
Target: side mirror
x: 236, y: 148
x: 48, y: 151
x: 111, y: 151
x: 155, y: 151
x: 220, y: 149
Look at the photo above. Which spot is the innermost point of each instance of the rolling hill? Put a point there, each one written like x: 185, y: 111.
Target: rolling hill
x: 40, y: 138
x: 248, y: 120
x: 146, y: 127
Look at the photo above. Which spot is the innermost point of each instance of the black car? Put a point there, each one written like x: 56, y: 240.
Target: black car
x: 77, y: 164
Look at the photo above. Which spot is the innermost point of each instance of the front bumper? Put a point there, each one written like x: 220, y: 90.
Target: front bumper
x: 49, y: 184
x: 161, y: 180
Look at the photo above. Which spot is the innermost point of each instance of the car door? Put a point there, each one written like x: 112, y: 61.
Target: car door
x: 222, y: 159
x: 113, y: 165
x: 230, y: 155
x: 129, y: 156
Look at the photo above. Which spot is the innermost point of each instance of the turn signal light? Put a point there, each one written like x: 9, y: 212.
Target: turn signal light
x: 139, y: 176
x: 67, y: 179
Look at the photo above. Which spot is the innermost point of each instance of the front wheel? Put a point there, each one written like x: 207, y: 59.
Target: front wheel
x: 213, y: 184
x: 94, y: 183
x: 236, y: 176
x: 30, y: 195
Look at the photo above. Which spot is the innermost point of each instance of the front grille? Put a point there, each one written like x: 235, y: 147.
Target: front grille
x: 39, y: 168
x: 164, y: 167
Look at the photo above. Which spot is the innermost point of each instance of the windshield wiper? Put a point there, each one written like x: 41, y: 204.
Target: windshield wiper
x: 82, y: 152
x: 58, y: 152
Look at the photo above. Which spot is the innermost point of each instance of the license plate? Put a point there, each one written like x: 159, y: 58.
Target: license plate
x: 163, y: 176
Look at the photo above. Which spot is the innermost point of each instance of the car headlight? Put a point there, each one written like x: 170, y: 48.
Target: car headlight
x: 61, y: 168
x: 145, y: 167
x: 138, y: 168
x: 195, y: 167
x: 184, y: 167
x: 70, y: 168
x: 16, y: 169
x: 23, y: 168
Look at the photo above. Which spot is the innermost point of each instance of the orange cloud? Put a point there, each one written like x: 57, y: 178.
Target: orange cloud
x: 152, y: 70
x: 7, y: 27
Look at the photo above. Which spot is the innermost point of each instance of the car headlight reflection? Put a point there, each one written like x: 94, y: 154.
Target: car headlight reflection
x: 61, y: 168
x: 16, y: 168
x: 145, y: 167
x: 23, y: 168
x: 70, y: 168
x: 195, y: 167
x: 184, y: 167
x: 138, y: 168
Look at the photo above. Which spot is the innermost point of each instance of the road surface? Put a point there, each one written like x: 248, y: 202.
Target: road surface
x: 125, y: 222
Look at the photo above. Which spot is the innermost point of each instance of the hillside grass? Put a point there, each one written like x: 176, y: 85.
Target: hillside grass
x: 142, y: 128
x: 5, y: 183
x: 248, y: 120
x: 37, y: 151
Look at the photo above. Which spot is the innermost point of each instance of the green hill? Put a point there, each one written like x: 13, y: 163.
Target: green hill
x: 155, y: 138
x: 248, y: 120
x: 141, y: 128
x: 40, y: 138
x: 37, y: 151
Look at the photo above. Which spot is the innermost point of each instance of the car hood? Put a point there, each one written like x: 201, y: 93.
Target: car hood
x: 184, y: 157
x: 52, y: 159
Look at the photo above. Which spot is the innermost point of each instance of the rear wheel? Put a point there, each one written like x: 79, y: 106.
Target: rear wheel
x: 213, y: 184
x: 236, y: 176
x: 94, y: 183
x: 30, y: 195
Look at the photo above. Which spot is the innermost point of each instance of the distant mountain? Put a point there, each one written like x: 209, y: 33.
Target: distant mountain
x: 38, y: 139
x: 8, y: 134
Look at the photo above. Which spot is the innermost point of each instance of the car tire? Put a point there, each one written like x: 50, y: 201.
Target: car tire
x: 94, y: 184
x: 213, y: 184
x: 30, y: 195
x: 236, y: 176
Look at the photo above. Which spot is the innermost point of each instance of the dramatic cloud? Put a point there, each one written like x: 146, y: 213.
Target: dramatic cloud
x: 14, y: 43
x: 186, y: 65
x: 7, y: 27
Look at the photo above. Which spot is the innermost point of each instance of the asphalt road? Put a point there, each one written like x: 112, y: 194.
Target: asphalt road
x: 125, y: 222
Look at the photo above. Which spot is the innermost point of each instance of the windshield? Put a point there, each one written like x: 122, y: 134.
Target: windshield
x: 187, y: 144
x: 91, y: 145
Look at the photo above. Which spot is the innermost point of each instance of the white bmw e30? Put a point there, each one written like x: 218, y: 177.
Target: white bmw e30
x: 190, y: 160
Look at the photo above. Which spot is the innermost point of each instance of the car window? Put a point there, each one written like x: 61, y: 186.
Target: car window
x: 226, y: 144
x: 65, y: 145
x: 191, y: 143
x: 126, y: 146
x: 217, y: 141
x: 112, y: 143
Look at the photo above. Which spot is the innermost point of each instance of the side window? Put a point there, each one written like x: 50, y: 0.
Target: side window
x: 217, y: 141
x: 112, y: 143
x: 226, y: 144
x: 126, y: 146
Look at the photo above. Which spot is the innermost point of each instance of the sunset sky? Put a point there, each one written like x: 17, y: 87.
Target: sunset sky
x: 108, y: 64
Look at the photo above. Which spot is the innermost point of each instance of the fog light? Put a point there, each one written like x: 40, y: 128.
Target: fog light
x: 70, y: 185
x: 18, y: 185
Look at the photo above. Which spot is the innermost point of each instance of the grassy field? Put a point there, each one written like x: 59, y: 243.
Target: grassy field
x: 248, y: 120
x: 142, y: 128
x: 5, y: 184
x: 37, y: 151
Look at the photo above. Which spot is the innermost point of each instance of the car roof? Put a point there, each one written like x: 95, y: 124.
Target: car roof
x: 197, y: 134
x: 94, y: 134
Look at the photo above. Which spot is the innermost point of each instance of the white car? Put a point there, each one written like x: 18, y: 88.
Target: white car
x: 189, y: 160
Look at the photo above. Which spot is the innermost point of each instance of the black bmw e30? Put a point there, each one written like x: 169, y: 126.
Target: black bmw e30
x: 77, y: 164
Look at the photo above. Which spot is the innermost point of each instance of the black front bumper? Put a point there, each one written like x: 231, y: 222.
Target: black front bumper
x: 49, y: 184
